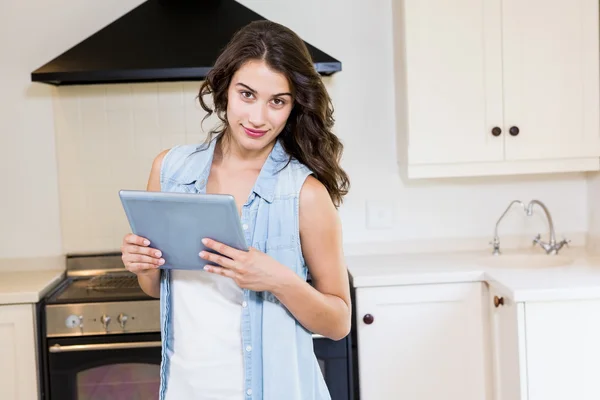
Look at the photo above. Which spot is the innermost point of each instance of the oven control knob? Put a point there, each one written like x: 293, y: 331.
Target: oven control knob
x: 105, y: 319
x: 122, y: 318
x: 74, y: 321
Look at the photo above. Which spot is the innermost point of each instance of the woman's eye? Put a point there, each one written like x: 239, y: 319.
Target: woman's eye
x: 247, y: 95
x: 278, y: 102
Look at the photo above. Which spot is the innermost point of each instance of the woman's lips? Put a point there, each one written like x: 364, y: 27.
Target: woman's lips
x: 255, y: 133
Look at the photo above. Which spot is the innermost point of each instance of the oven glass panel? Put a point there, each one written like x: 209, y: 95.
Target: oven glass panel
x: 119, y: 382
x: 322, y: 365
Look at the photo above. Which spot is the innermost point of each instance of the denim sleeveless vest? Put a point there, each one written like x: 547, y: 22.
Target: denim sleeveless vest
x: 279, y: 360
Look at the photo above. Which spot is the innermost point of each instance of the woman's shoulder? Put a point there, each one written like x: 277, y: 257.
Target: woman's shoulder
x: 290, y: 176
x: 310, y: 189
x: 179, y: 153
x: 179, y: 161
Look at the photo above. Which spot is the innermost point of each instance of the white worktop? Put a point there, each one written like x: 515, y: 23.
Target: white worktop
x: 28, y: 280
x: 19, y: 283
x: 578, y: 280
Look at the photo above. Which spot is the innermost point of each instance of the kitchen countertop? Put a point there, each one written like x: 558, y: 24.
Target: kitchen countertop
x: 26, y: 280
x: 578, y: 280
x: 27, y: 286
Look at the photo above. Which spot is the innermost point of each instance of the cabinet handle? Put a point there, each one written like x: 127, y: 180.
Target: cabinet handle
x: 496, y: 131
x: 514, y: 130
x: 368, y: 319
x: 498, y: 301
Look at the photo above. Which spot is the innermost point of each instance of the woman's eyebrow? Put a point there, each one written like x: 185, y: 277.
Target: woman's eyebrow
x: 246, y: 86
x: 254, y: 91
x: 282, y: 94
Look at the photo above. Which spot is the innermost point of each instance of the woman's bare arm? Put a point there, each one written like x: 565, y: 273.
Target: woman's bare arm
x: 138, y: 255
x: 325, y: 308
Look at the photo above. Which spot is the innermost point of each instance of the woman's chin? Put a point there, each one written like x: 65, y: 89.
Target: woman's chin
x: 253, y: 143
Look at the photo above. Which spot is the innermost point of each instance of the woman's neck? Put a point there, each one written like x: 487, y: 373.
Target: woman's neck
x: 229, y: 152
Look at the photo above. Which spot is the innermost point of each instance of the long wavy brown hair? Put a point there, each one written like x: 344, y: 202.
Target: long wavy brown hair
x: 307, y: 135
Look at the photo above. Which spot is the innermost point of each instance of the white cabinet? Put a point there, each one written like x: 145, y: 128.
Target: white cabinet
x: 497, y: 87
x: 508, y: 348
x: 423, y: 342
x: 18, y: 365
x: 546, y: 350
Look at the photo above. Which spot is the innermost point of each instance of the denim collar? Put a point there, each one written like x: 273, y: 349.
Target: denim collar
x: 201, y: 160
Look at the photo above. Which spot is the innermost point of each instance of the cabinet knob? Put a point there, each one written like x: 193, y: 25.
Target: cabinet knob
x: 368, y: 319
x: 498, y: 301
x: 514, y: 130
x: 496, y: 131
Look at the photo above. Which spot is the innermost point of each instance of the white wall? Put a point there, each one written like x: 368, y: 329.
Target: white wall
x: 131, y: 123
x: 31, y: 32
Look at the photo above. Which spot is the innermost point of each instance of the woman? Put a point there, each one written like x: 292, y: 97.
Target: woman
x: 242, y: 329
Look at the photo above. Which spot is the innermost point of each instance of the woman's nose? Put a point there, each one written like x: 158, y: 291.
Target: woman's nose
x: 258, y: 114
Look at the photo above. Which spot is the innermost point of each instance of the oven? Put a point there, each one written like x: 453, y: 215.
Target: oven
x: 127, y: 367
x: 99, y: 334
x: 100, y: 339
x: 334, y: 358
x: 121, y: 367
x: 337, y: 359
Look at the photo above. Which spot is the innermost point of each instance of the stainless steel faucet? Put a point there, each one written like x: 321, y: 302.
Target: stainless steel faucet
x: 496, y: 242
x: 551, y: 247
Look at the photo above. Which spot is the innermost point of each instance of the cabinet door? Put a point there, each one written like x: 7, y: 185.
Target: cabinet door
x: 563, y: 349
x: 424, y: 342
x: 18, y: 366
x: 453, y: 80
x: 508, y: 348
x: 551, y: 78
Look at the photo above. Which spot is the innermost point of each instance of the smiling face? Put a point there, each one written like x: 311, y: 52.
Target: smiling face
x: 259, y: 102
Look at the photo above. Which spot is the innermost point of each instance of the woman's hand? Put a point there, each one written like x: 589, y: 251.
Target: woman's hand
x: 251, y: 269
x: 138, y: 257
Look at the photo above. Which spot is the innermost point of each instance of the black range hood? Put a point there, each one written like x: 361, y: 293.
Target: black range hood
x: 160, y: 40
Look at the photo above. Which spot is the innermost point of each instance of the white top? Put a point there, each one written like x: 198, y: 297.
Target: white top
x: 207, y: 362
x: 577, y: 279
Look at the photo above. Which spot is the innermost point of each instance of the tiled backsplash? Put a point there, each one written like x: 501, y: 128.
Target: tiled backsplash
x: 107, y: 137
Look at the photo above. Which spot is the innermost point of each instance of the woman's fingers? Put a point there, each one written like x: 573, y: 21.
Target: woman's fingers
x: 221, y: 248
x: 220, y: 271
x: 144, y: 259
x: 137, y: 256
x: 141, y: 268
x: 218, y: 259
x: 135, y: 239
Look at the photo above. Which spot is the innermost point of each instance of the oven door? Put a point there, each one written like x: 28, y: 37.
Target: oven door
x: 116, y: 367
x: 335, y: 360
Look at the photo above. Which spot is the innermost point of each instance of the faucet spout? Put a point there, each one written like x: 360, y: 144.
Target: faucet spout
x: 551, y: 247
x: 548, y: 217
x: 496, y: 241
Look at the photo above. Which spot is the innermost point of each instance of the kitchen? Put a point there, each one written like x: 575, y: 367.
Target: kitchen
x: 401, y: 235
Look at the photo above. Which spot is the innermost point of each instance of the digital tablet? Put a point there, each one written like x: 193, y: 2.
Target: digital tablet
x: 176, y: 223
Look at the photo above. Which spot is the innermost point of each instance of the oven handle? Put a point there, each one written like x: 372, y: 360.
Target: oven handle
x: 57, y: 348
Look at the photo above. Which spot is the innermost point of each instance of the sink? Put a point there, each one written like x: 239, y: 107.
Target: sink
x: 526, y: 261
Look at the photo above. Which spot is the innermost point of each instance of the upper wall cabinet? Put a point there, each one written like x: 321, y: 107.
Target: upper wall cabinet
x: 497, y: 87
